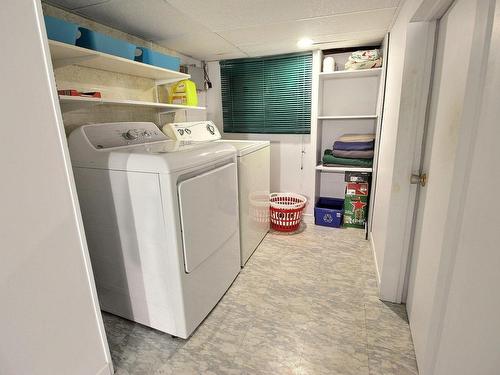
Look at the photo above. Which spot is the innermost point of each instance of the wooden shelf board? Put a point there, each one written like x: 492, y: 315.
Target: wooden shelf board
x: 84, y: 101
x: 351, y: 74
x: 358, y: 117
x: 63, y: 54
x: 341, y: 169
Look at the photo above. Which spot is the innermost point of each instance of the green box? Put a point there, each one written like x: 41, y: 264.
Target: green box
x: 356, y: 205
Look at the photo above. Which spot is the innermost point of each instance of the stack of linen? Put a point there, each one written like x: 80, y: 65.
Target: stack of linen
x: 364, y: 60
x: 351, y: 149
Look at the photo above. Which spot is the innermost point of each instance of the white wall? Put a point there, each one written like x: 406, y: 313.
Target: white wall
x: 291, y: 169
x: 49, y: 317
x: 470, y: 337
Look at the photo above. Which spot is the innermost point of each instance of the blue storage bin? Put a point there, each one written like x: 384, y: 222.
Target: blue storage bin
x: 329, y: 212
x: 151, y: 57
x: 61, y: 30
x: 104, y: 43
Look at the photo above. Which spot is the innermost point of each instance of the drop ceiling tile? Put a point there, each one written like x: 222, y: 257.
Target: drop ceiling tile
x: 219, y: 15
x: 148, y: 19
x: 201, y: 45
x: 315, y: 29
x: 337, y: 41
x: 350, y: 6
x: 74, y: 4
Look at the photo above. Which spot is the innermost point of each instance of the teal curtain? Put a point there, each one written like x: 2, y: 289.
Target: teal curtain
x: 267, y: 95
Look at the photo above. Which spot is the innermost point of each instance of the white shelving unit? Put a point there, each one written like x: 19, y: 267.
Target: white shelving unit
x: 360, y: 117
x: 65, y: 54
x: 342, y: 169
x: 351, y: 74
x: 78, y: 102
x: 347, y: 102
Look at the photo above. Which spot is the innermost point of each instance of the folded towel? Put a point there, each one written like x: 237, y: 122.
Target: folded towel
x: 329, y: 158
x: 365, y: 154
x: 356, y: 137
x: 353, y: 146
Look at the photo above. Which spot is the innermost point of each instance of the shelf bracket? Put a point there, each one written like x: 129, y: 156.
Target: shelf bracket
x: 59, y: 63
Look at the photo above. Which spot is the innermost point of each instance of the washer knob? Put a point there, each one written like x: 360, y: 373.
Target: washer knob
x: 210, y: 129
x: 131, y: 134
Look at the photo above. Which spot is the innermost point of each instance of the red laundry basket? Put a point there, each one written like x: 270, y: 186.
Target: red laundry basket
x: 286, y: 211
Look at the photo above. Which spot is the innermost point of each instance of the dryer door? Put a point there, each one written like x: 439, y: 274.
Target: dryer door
x: 209, y: 213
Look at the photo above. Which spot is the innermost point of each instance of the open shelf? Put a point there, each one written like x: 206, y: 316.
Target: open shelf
x: 351, y: 74
x: 359, y: 117
x: 65, y: 54
x: 341, y: 169
x: 77, y: 102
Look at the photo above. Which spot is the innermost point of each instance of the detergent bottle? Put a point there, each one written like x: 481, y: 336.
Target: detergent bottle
x: 184, y: 92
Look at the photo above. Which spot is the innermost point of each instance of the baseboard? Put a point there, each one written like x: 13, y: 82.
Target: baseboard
x: 106, y: 370
x: 374, y: 254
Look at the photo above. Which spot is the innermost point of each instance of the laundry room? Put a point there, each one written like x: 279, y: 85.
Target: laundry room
x: 248, y: 187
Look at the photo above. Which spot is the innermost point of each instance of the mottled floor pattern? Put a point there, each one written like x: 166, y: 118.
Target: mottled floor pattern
x: 304, y: 304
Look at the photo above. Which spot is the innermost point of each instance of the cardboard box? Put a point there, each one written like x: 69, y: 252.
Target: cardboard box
x: 357, y: 176
x: 356, y: 205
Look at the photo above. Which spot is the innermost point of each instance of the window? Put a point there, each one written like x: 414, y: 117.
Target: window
x: 267, y: 95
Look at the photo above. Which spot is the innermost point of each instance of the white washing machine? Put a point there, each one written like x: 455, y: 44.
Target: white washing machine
x: 253, y: 193
x: 161, y: 220
x: 253, y: 182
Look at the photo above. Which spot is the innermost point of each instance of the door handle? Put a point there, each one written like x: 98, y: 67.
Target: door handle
x: 418, y: 179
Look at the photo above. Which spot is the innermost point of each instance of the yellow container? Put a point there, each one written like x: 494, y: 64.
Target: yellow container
x: 184, y: 92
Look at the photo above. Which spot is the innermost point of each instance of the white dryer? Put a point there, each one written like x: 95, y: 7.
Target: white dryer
x: 253, y: 181
x: 161, y: 220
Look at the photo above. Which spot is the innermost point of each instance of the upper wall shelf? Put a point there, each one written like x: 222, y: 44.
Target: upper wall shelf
x: 65, y: 54
x: 351, y: 74
x: 69, y: 103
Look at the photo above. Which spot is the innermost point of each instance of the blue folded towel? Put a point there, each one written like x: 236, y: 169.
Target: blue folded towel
x: 354, y: 146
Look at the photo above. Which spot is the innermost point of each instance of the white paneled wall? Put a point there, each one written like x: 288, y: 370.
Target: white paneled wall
x: 292, y: 155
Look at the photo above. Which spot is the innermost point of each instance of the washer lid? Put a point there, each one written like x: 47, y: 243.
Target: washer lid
x: 245, y: 147
x: 156, y: 156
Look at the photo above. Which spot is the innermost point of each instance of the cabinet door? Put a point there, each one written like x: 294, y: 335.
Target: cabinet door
x: 208, y: 206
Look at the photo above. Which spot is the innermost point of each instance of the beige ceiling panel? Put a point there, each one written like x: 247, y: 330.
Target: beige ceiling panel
x: 148, y: 19
x: 219, y: 15
x: 201, y: 45
x: 337, y: 41
x: 74, y: 4
x: 316, y: 29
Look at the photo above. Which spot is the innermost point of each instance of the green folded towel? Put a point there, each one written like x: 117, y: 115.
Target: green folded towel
x: 328, y: 158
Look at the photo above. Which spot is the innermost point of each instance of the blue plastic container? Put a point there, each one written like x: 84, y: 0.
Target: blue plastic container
x: 61, y: 30
x: 104, y: 43
x: 329, y: 212
x: 151, y: 57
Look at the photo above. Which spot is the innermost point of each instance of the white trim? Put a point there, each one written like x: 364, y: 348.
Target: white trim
x: 431, y: 10
x: 71, y: 185
x: 374, y: 254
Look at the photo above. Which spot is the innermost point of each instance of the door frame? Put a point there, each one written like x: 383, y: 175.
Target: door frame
x: 415, y: 95
x: 469, y: 122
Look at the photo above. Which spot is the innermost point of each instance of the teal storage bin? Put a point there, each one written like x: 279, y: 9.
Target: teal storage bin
x: 148, y: 56
x: 103, y: 43
x: 61, y: 30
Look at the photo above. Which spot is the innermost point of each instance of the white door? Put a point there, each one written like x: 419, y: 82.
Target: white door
x: 209, y: 213
x: 449, y: 89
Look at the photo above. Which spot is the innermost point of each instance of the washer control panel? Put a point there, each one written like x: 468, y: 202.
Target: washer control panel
x: 119, y: 134
x: 197, y: 131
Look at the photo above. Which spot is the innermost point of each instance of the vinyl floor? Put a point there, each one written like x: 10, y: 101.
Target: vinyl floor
x: 304, y: 304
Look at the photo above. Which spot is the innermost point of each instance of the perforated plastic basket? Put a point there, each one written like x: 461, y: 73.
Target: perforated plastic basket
x: 286, y: 211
